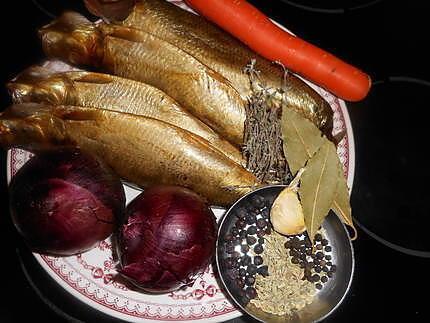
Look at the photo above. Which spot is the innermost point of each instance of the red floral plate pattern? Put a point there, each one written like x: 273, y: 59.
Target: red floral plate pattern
x: 90, y: 277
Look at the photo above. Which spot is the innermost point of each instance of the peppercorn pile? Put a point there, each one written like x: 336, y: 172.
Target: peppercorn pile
x: 315, y: 260
x: 245, y: 243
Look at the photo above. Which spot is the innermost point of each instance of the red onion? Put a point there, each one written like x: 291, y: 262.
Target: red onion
x: 168, y: 239
x: 65, y: 202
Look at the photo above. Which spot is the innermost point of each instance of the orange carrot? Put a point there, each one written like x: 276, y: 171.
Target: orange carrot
x: 252, y: 27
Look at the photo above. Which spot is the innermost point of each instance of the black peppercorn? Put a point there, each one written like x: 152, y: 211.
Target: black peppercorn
x: 258, y: 260
x: 232, y: 274
x: 265, y: 213
x: 229, y: 262
x: 261, y: 223
x: 263, y: 271
x: 252, y: 230
x: 251, y: 240
x: 241, y: 213
x: 251, y: 292
x: 244, y: 248
x: 250, y: 219
x: 258, y: 249
x: 240, y: 224
x: 240, y: 283
x: 245, y: 260
x: 251, y: 269
x: 257, y: 201
x: 229, y: 248
x: 228, y: 237
x: 318, y: 286
x: 249, y: 280
x: 315, y: 278
x: 243, y: 234
x: 236, y: 255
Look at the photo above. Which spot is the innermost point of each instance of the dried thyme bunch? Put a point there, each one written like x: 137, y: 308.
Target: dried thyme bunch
x: 263, y: 145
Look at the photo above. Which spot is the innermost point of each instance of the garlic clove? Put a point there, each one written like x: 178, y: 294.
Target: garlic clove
x: 286, y: 214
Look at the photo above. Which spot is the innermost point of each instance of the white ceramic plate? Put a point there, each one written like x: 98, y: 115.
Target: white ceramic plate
x: 90, y: 276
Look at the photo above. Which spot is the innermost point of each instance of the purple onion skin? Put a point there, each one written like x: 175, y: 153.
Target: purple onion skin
x: 168, y: 239
x: 65, y: 202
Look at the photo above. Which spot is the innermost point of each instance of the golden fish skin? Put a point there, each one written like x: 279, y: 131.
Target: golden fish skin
x: 96, y: 90
x: 135, y: 54
x: 142, y: 150
x: 224, y: 54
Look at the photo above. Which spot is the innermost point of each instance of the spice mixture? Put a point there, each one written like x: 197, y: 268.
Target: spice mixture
x: 275, y: 273
x: 283, y: 291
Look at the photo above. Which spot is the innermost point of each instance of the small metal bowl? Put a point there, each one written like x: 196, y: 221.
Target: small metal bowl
x: 327, y: 299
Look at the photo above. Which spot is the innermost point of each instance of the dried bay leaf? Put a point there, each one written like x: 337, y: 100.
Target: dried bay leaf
x: 318, y: 186
x: 301, y: 139
x: 341, y: 205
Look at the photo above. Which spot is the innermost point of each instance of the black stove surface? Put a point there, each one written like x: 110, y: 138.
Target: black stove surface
x: 389, y: 40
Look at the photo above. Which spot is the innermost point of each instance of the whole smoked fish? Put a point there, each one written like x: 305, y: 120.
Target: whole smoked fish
x: 142, y: 150
x: 87, y: 89
x: 216, y: 49
x: 214, y: 92
x: 138, y: 55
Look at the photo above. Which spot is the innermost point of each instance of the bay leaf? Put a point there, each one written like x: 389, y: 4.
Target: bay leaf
x: 301, y: 139
x: 341, y: 205
x: 318, y: 186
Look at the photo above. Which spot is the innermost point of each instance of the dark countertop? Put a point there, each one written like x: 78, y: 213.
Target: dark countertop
x: 388, y: 39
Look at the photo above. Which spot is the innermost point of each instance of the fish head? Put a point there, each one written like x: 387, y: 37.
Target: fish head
x: 31, y: 126
x: 73, y: 38
x: 42, y: 85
